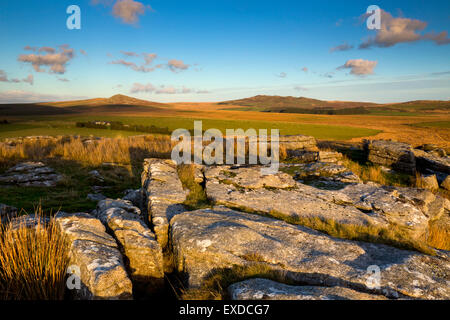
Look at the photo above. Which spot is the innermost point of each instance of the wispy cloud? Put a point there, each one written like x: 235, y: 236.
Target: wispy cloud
x: 359, y: 67
x: 20, y: 96
x: 282, y: 75
x: 134, y: 66
x: 402, y: 30
x: 162, y: 89
x: 4, y: 78
x: 148, y: 59
x: 130, y: 53
x: 342, y: 47
x: 29, y: 79
x: 145, y: 88
x: 177, y: 65
x: 55, y: 59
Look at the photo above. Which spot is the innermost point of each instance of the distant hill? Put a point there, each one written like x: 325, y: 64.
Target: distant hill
x: 115, y: 104
x: 421, y: 105
x: 118, y: 99
x: 279, y: 104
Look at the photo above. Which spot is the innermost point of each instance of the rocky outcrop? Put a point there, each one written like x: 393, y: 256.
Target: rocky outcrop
x: 280, y: 194
x: 264, y: 289
x: 165, y: 196
x: 330, y: 156
x: 135, y: 196
x: 434, y: 163
x: 210, y: 240
x: 397, y: 155
x: 136, y: 241
x: 324, y: 175
x: 298, y: 142
x: 406, y: 207
x: 31, y: 174
x: 427, y: 160
x: 95, y: 253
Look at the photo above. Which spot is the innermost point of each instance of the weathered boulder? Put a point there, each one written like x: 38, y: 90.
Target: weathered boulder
x: 31, y: 221
x: 95, y: 175
x: 298, y: 142
x: 327, y: 174
x: 209, y: 240
x: 95, y: 252
x: 302, y: 156
x: 251, y: 178
x: 264, y: 289
x: 426, y: 160
x: 330, y: 156
x: 7, y: 213
x: 31, y: 174
x: 428, y: 182
x: 397, y: 155
x: 165, y: 196
x: 136, y: 241
x: 225, y: 186
x: 135, y: 196
x: 407, y: 207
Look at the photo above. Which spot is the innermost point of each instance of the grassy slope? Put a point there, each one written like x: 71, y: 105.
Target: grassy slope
x: 66, y: 125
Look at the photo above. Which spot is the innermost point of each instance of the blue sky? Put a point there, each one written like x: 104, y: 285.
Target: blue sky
x: 220, y: 50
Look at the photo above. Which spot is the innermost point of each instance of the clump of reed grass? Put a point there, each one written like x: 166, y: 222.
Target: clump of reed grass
x: 33, y: 260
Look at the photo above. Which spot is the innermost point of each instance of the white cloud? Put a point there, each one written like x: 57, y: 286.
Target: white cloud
x: 402, y: 30
x: 360, y: 67
x: 129, y: 10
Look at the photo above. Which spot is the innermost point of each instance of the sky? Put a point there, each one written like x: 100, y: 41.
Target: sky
x: 199, y: 51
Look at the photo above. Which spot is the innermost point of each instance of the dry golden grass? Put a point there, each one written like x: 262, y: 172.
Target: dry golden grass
x: 117, y: 150
x: 439, y: 235
x: 196, y: 198
x: 366, y: 173
x: 33, y: 262
x: 393, y: 235
x: 214, y: 287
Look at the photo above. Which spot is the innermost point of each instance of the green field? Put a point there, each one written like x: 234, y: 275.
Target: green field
x: 64, y: 125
